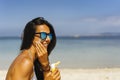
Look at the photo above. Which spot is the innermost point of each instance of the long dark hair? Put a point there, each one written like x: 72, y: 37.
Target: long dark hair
x: 27, y: 40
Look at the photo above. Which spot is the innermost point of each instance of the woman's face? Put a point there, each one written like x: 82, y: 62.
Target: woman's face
x: 43, y: 35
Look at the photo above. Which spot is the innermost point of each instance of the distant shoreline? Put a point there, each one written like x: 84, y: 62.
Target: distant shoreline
x: 73, y: 37
x: 89, y: 37
x: 9, y: 37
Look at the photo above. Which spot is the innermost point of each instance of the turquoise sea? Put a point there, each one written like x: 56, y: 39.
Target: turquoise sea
x: 73, y: 53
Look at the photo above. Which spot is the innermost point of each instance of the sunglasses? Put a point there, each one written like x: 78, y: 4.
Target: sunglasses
x: 43, y: 35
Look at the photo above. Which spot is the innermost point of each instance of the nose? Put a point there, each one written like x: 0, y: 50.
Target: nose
x: 47, y: 39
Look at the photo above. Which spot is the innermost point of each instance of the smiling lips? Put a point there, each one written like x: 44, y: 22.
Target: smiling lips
x: 45, y: 45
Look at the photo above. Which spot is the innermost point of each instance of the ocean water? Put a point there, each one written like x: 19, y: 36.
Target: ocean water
x: 73, y: 53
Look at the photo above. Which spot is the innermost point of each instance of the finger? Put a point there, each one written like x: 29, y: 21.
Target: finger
x: 43, y: 48
x: 56, y: 75
x: 48, y: 74
x: 55, y: 72
x: 38, y: 51
x: 58, y: 78
x: 39, y: 47
x: 34, y: 43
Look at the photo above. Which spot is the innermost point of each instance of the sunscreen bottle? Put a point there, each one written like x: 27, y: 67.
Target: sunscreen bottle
x: 54, y: 65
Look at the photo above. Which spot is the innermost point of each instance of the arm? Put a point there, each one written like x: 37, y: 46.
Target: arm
x: 43, y: 59
x: 42, y: 56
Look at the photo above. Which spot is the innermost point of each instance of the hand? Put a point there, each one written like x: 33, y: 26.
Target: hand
x: 42, y: 54
x: 52, y: 75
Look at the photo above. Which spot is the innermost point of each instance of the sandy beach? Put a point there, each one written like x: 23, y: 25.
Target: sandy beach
x: 91, y: 74
x: 84, y: 74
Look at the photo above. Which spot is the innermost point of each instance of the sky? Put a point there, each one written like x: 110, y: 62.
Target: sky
x: 69, y: 17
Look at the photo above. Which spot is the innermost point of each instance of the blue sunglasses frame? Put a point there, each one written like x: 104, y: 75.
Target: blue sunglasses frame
x: 43, y: 35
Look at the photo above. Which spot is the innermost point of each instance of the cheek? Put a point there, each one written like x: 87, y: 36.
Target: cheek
x: 36, y: 39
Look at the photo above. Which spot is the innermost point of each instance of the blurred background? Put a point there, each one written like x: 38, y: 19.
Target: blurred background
x: 88, y: 31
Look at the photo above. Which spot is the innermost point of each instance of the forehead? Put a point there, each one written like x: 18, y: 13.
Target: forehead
x: 42, y: 28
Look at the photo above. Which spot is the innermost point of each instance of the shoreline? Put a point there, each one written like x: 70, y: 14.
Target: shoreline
x: 83, y: 74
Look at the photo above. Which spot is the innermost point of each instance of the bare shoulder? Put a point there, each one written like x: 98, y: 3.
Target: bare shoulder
x: 25, y: 61
x: 22, y: 67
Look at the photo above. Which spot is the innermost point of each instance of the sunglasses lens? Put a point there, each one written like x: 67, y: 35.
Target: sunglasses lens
x: 43, y: 35
x: 50, y: 36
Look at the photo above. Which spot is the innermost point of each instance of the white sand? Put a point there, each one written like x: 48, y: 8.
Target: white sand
x: 84, y: 74
x: 2, y: 74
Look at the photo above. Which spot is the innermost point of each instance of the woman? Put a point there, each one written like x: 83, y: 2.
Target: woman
x: 38, y: 41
